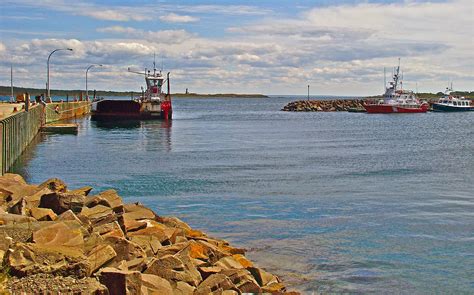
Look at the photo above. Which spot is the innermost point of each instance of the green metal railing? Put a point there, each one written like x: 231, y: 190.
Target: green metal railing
x: 16, y: 132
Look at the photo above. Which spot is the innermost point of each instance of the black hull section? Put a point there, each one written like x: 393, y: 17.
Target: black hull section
x: 444, y: 108
x: 111, y: 110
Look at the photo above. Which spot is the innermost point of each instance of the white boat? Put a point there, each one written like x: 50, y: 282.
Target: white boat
x: 452, y: 103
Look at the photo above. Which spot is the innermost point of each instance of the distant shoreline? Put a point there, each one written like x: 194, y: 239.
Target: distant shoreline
x: 217, y: 95
x: 6, y: 91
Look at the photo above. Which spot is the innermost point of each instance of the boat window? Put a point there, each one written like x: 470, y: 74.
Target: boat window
x: 455, y: 103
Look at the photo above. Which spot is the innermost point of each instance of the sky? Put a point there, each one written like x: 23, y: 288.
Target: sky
x: 271, y: 47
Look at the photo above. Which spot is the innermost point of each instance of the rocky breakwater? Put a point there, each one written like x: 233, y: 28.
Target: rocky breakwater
x: 335, y: 105
x: 59, y: 241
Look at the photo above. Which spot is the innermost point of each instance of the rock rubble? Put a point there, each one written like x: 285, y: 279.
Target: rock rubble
x: 59, y: 241
x: 337, y: 105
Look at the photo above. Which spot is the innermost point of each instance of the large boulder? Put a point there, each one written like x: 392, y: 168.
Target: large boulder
x: 129, y: 224
x: 243, y: 280
x: 109, y: 229
x: 18, y: 208
x: 164, y: 234
x: 59, y: 234
x: 33, y: 201
x: 139, y: 212
x: 81, y: 191
x: 7, y: 218
x: 70, y: 216
x: 152, y: 284
x: 125, y: 249
x: 275, y: 288
x: 54, y: 184
x: 150, y: 244
x: 172, y: 267
x: 98, y: 215
x: 43, y: 214
x: 14, y: 188
x: 5, y: 242
x: 5, y: 198
x: 108, y: 198
x: 206, y: 271
x: 100, y: 255
x: 174, y: 222
x: 262, y: 277
x: 121, y: 282
x: 182, y: 288
x: 215, y: 283
x: 228, y: 262
x: 27, y: 259
x: 61, y: 202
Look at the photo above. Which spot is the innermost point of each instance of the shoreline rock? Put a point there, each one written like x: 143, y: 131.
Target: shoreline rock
x: 333, y: 105
x: 64, y: 241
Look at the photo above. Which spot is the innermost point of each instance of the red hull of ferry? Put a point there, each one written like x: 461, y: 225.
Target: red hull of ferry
x: 394, y: 109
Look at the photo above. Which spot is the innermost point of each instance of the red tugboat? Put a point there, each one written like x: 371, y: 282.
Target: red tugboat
x: 154, y: 103
x: 397, y: 100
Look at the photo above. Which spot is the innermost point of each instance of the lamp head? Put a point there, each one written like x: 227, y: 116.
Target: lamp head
x: 70, y: 49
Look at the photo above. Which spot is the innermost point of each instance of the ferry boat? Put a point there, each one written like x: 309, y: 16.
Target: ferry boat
x: 397, y: 100
x: 153, y: 103
x: 452, y: 103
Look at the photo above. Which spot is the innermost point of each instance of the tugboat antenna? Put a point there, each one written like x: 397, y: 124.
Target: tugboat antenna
x: 384, y: 80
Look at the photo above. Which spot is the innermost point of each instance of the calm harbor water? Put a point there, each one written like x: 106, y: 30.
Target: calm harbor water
x: 333, y: 202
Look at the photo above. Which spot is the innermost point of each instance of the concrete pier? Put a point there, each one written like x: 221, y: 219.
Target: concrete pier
x: 18, y: 127
x: 63, y: 128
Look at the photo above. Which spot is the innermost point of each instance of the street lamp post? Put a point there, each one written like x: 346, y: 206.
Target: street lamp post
x: 87, y: 70
x: 47, y: 84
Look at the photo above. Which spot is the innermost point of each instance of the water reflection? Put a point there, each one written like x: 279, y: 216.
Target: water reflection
x: 21, y: 164
x: 157, y: 134
x: 121, y: 124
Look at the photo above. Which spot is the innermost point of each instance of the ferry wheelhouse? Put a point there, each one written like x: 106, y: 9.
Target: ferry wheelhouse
x: 452, y: 103
x: 397, y: 100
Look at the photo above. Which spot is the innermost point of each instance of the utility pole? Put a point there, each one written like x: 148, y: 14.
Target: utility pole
x: 12, y: 98
x: 48, y: 94
x: 87, y: 70
x: 384, y: 81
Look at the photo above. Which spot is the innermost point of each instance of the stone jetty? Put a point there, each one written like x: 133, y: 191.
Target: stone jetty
x: 334, y: 105
x: 59, y: 241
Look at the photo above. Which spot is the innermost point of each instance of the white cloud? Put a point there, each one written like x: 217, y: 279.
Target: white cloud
x: 118, y: 30
x: 162, y: 37
x: 96, y: 11
x: 338, y: 49
x: 176, y: 18
x: 138, y: 12
x: 224, y: 9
